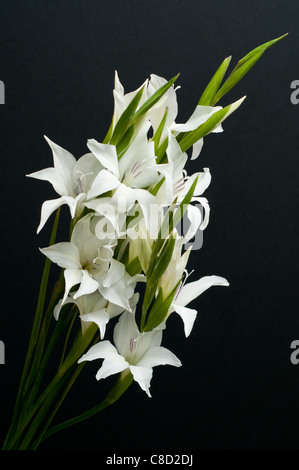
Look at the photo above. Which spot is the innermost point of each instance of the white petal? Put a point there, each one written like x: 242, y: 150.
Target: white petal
x: 204, y: 202
x: 117, y: 84
x: 200, y: 115
x: 101, y: 350
x: 64, y: 162
x: 159, y: 356
x: 104, y: 181
x: 57, y: 309
x: 203, y: 181
x: 147, y: 341
x: 192, y: 290
x: 146, y: 201
x: 65, y: 254
x: 72, y: 278
x: 197, y: 149
x: 85, y: 171
x: 188, y: 315
x: 125, y: 330
x: 143, y: 376
x: 48, y: 207
x: 106, y: 154
x: 88, y: 285
x: 115, y: 273
x: 116, y: 294
x: 99, y: 317
x: 53, y: 177
x: 194, y: 215
x: 47, y: 210
x: 113, y: 365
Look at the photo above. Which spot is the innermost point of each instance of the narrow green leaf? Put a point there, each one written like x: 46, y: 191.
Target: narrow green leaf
x: 214, y: 84
x: 259, y: 49
x: 162, y: 235
x: 162, y: 262
x: 157, y: 137
x: 125, y: 119
x: 134, y: 267
x: 125, y: 142
x: 124, y: 381
x: 242, y: 67
x: 160, y: 309
x: 157, y: 186
x: 161, y: 151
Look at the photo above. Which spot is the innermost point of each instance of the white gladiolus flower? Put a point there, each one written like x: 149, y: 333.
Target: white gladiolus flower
x: 138, y: 352
x: 94, y: 308
x: 71, y: 179
x: 128, y: 176
x: 88, y: 262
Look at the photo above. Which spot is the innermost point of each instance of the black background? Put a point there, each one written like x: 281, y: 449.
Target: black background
x: 237, y: 388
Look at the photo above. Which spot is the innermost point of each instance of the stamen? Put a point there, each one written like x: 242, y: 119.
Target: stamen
x: 132, y: 345
x: 135, y: 167
x: 178, y: 290
x: 179, y: 185
x: 139, y: 173
x: 80, y: 183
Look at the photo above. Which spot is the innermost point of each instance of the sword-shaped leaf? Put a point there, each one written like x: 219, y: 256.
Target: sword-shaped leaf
x: 242, y: 67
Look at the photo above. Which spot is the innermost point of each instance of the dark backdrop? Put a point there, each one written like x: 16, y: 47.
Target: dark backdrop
x: 237, y: 388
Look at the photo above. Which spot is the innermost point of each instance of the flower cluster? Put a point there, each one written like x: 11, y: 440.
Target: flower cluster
x: 127, y: 197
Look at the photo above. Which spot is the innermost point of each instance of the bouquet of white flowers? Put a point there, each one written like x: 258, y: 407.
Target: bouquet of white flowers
x: 134, y: 212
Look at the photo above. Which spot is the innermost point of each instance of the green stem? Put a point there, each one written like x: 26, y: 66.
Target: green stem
x: 67, y: 338
x: 35, y: 369
x: 58, y: 404
x: 35, y: 329
x: 59, y: 328
x: 34, y: 417
x: 123, y: 383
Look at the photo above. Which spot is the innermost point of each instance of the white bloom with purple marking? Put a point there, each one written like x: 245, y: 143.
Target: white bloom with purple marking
x: 138, y: 352
x: 72, y: 179
x: 89, y: 264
